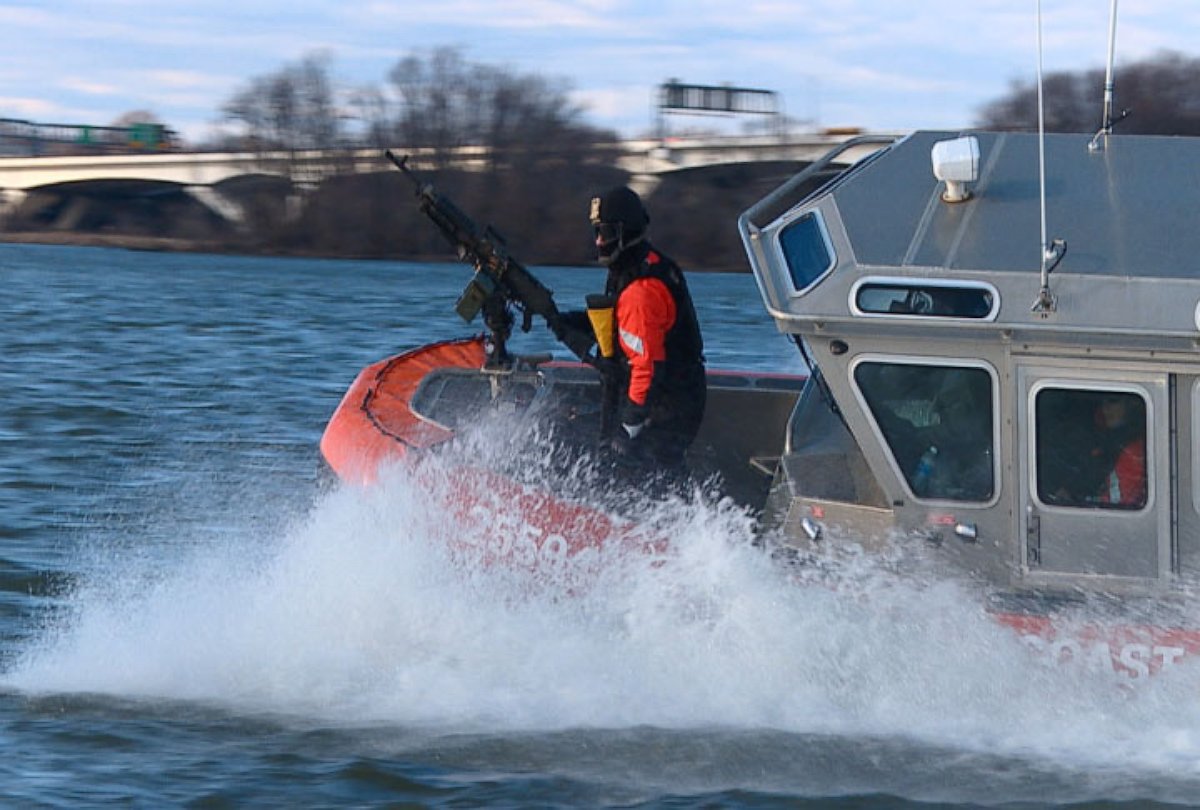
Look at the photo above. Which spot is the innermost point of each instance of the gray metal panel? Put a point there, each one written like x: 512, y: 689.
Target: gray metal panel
x: 1126, y: 211
x: 1143, y: 217
x: 882, y: 203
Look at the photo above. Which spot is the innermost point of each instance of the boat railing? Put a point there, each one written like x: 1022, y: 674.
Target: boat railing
x: 775, y: 200
x: 793, y: 192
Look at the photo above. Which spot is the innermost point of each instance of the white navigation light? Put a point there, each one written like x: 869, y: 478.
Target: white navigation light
x: 956, y: 163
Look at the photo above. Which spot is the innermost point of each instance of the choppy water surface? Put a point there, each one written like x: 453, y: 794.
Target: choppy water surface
x: 190, y: 613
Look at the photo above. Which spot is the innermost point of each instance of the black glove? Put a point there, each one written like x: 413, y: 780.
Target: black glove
x: 634, y: 418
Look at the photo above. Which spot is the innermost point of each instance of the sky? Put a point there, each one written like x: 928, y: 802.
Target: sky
x: 887, y: 65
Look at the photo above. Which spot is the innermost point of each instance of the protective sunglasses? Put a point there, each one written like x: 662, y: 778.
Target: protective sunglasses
x: 608, y: 231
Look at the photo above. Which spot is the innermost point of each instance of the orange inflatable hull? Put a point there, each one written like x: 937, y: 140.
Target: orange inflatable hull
x: 375, y: 423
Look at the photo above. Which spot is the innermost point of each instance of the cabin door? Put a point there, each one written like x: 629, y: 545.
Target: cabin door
x: 1095, y: 473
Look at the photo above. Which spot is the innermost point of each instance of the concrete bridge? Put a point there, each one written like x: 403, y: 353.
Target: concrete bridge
x: 202, y: 173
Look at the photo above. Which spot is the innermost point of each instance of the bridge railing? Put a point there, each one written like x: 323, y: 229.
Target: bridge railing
x: 19, y: 138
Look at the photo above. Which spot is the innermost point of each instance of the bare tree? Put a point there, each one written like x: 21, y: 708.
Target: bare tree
x: 446, y: 103
x: 290, y: 109
x: 135, y: 117
x: 374, y: 114
x: 434, y: 101
x: 291, y: 120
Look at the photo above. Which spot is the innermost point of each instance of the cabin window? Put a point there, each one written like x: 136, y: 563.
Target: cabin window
x: 1091, y: 448
x: 806, y: 250
x: 924, y: 299
x: 938, y: 423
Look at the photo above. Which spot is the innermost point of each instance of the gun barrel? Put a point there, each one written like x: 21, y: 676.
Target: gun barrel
x: 400, y: 162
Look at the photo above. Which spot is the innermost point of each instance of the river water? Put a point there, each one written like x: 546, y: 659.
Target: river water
x: 192, y: 615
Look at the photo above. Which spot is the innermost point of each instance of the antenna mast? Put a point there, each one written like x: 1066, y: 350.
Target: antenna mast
x: 1051, y: 253
x: 1107, y: 121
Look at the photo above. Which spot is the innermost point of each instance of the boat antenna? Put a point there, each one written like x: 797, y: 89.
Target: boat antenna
x: 1052, y: 254
x: 1107, y: 120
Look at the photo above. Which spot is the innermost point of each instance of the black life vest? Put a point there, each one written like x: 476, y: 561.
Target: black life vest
x: 679, y: 388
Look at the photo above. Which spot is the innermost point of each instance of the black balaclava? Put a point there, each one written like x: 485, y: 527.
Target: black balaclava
x: 620, y: 221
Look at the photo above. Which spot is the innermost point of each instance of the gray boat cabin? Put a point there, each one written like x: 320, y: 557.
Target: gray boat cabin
x: 1023, y: 397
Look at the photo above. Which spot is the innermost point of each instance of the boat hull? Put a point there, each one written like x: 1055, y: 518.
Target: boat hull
x: 375, y: 422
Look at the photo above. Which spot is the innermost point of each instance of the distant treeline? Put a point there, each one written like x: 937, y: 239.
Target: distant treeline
x: 1161, y: 96
x: 543, y: 162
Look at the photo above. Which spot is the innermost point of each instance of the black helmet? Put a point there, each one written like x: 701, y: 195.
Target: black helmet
x: 619, y: 220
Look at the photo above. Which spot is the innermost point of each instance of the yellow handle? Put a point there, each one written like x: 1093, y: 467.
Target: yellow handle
x: 601, y: 312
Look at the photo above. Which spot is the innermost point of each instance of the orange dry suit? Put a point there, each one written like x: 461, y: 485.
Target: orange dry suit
x: 659, y: 336
x: 1125, y: 484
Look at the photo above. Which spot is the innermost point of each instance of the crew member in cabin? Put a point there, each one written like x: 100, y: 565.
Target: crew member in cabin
x: 1120, y: 418
x: 1092, y: 463
x: 662, y: 390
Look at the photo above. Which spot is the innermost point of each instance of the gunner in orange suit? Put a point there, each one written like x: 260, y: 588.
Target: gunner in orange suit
x: 663, y: 396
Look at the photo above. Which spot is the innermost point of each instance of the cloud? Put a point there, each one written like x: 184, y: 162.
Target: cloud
x: 469, y: 15
x: 33, y: 108
x: 88, y: 87
x: 623, y: 109
x: 17, y: 17
x: 853, y: 62
x: 186, y: 79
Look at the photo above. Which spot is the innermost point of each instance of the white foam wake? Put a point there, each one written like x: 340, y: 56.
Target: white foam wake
x: 362, y: 615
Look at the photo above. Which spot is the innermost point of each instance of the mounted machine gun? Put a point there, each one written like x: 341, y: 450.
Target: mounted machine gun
x: 500, y: 283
